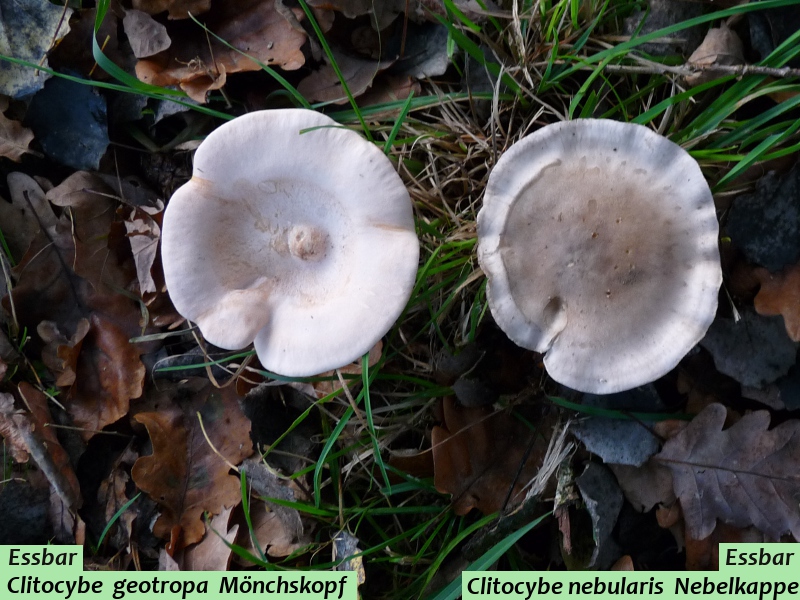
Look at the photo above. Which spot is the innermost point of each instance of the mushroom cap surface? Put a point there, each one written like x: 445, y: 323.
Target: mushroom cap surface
x: 293, y: 233
x: 599, y: 241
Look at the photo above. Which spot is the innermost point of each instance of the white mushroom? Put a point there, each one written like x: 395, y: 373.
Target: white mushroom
x: 599, y: 239
x: 294, y: 233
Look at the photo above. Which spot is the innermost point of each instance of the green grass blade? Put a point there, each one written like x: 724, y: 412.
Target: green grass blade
x: 116, y: 516
x: 335, y: 66
x: 387, y: 147
x: 486, y: 560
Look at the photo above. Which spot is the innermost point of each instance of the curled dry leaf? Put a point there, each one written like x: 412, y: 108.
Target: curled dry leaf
x: 14, y: 138
x: 29, y: 435
x: 780, y: 295
x: 108, y: 375
x: 213, y: 553
x: 721, y: 47
x: 185, y: 475
x: 144, y: 232
x: 477, y: 457
x: 745, y: 475
x: 201, y: 63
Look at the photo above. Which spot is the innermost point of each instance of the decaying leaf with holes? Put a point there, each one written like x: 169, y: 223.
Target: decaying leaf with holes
x: 478, y: 456
x: 28, y: 435
x: 745, y: 475
x: 780, y: 295
x: 144, y: 231
x: 185, y: 475
x: 199, y: 63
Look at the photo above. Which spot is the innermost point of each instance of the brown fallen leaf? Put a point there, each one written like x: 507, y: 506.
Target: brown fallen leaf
x: 27, y: 213
x: 278, y: 530
x: 388, y: 88
x: 28, y: 434
x: 112, y: 496
x: 330, y: 382
x: 623, y: 564
x: 198, y: 63
x: 144, y: 232
x: 721, y: 47
x: 274, y: 535
x: 780, y: 295
x: 145, y: 35
x: 324, y: 85
x: 381, y: 13
x: 90, y: 210
x: 178, y: 9
x: 71, y: 279
x: 477, y: 457
x: 185, y: 475
x: 703, y: 554
x: 212, y: 553
x: 14, y: 138
x: 745, y: 475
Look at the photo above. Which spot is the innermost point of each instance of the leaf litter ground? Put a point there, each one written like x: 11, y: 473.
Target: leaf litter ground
x: 126, y: 432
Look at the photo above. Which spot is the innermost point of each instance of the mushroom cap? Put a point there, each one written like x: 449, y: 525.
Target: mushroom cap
x: 599, y: 241
x: 293, y: 233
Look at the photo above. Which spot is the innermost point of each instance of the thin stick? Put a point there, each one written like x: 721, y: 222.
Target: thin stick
x: 688, y: 69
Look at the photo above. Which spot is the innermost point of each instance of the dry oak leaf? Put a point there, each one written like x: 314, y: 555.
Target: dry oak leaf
x: 199, y: 65
x: 70, y: 279
x: 185, y: 476
x: 745, y: 475
x: 14, y: 138
x: 477, y: 456
x: 28, y: 435
x: 780, y: 295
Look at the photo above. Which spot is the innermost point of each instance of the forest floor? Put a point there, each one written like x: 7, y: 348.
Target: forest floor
x: 447, y: 447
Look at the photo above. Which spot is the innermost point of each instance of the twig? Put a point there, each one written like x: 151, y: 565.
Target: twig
x: 689, y: 69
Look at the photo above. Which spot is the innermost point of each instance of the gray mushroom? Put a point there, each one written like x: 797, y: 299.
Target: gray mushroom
x: 599, y: 240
